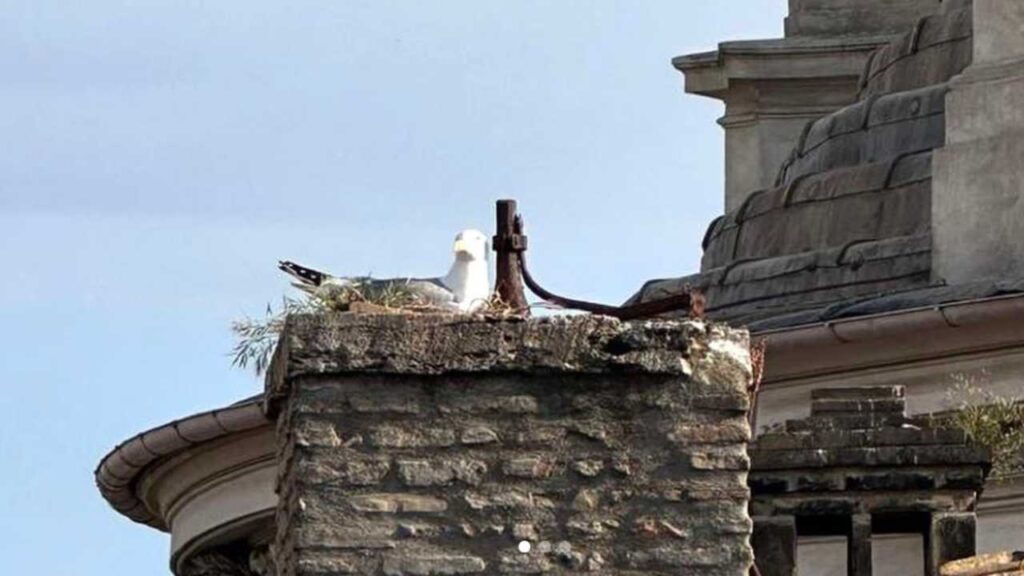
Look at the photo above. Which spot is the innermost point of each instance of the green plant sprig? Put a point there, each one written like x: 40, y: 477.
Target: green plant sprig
x: 991, y: 420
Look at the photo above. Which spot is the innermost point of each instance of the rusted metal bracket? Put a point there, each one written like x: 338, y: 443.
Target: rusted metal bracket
x: 510, y: 245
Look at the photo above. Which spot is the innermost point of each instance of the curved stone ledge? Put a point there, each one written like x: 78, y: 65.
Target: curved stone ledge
x: 118, y: 473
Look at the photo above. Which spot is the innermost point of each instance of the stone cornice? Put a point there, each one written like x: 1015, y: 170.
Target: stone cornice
x: 709, y: 73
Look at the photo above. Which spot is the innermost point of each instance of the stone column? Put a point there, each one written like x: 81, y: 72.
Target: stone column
x: 951, y: 536
x: 978, y: 198
x: 774, y: 543
x: 442, y: 445
x: 858, y: 561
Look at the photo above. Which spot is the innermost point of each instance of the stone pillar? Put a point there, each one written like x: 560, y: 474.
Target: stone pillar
x: 774, y: 543
x: 854, y: 461
x: 441, y: 445
x: 978, y: 197
x: 858, y: 562
x: 950, y: 537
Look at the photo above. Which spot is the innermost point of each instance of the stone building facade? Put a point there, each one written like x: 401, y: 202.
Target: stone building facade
x: 870, y: 238
x: 872, y: 216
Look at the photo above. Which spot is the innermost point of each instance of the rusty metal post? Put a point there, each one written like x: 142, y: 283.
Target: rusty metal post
x: 508, y: 245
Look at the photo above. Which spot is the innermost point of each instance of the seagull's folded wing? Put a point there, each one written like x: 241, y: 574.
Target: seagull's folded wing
x: 427, y: 291
x: 432, y: 291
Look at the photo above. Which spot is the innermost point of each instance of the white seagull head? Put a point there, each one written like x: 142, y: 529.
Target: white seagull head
x: 468, y: 276
x: 471, y: 246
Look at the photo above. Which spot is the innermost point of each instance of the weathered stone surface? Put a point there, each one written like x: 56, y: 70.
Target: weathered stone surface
x: 859, y: 393
x: 628, y: 457
x: 774, y: 541
x: 432, y: 565
x: 730, y: 432
x: 951, y: 537
x: 441, y: 472
x: 588, y: 468
x: 392, y: 503
x: 936, y: 455
x: 852, y: 438
x: 841, y: 481
x: 399, y: 437
x: 316, y: 433
x: 719, y: 458
x: 529, y: 467
x: 846, y: 18
x: 437, y: 344
x: 862, y: 421
x: 216, y: 563
x: 825, y: 407
x: 344, y: 468
x: 478, y: 435
x: 858, y: 545
x: 319, y: 564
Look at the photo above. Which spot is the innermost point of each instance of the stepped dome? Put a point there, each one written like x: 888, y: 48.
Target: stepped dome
x: 846, y: 227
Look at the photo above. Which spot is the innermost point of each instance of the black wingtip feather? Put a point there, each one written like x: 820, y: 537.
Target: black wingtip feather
x: 301, y: 273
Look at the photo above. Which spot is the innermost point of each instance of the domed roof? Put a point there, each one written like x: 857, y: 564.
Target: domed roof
x: 849, y: 216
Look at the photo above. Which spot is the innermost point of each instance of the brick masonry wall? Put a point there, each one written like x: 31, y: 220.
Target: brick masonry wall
x: 613, y: 463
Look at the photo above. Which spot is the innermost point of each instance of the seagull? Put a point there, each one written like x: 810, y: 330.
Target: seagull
x: 466, y: 287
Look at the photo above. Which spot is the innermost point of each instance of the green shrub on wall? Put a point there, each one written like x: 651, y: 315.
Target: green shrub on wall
x: 994, y: 421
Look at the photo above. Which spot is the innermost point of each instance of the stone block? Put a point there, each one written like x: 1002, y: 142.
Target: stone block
x: 774, y: 541
x: 829, y: 406
x: 858, y: 393
x: 858, y: 553
x: 392, y: 503
x: 894, y: 480
x: 846, y: 422
x: 440, y: 565
x: 951, y: 537
x: 441, y: 472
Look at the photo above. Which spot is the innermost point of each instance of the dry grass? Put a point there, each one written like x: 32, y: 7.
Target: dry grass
x: 256, y: 338
x: 993, y: 421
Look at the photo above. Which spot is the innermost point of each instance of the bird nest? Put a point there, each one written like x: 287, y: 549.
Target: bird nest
x: 256, y: 338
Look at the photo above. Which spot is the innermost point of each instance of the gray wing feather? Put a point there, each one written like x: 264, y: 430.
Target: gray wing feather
x: 430, y: 290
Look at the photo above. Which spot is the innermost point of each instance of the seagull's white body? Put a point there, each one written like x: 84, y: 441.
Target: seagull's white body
x: 466, y: 287
x: 468, y: 277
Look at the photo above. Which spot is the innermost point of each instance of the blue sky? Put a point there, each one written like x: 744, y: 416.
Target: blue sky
x: 158, y: 157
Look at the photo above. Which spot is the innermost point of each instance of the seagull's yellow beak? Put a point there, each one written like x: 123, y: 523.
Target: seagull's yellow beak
x: 462, y: 246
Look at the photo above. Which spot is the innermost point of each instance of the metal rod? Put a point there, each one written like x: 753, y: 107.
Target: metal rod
x: 691, y: 301
x: 508, y: 246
